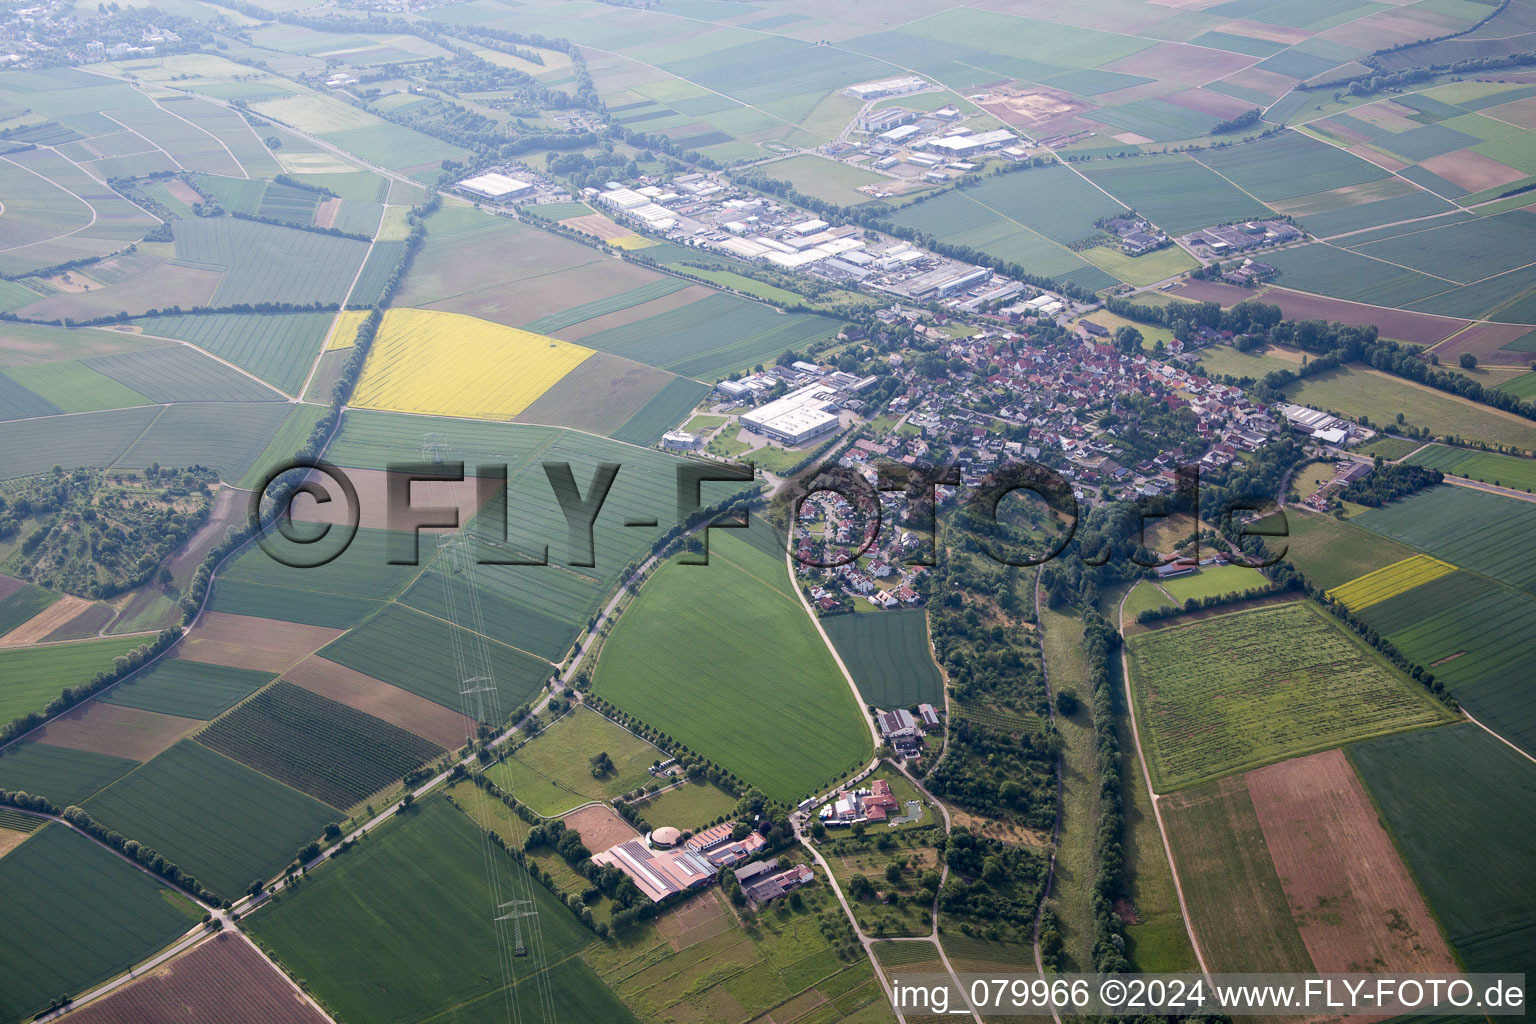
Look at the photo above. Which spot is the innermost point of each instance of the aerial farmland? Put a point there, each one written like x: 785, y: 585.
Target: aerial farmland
x: 708, y: 510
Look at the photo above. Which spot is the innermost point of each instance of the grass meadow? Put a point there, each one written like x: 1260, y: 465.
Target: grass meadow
x: 552, y: 772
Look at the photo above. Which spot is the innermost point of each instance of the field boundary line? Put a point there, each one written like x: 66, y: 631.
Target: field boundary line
x: 228, y: 152
x: 290, y: 399
x: 168, y: 154
x: 1496, y: 736
x: 1146, y: 776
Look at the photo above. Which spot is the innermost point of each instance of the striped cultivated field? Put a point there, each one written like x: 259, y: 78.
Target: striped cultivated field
x: 1384, y: 583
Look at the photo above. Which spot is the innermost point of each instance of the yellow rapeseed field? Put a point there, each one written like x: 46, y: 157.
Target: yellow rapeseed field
x: 344, y: 329
x: 631, y: 242
x: 1394, y: 579
x: 449, y: 364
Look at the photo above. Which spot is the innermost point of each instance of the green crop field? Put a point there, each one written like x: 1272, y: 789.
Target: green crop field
x: 710, y: 338
x: 215, y: 818
x: 90, y: 439
x: 23, y: 603
x: 378, y: 268
x: 356, y: 931
x: 1239, y: 910
x: 552, y: 772
x: 1213, y: 581
x: 888, y: 656
x: 1288, y: 165
x: 1331, y: 551
x: 290, y: 437
x: 1473, y: 529
x: 415, y: 652
x: 362, y: 571
x: 62, y: 775
x: 226, y: 437
x: 314, y: 608
x: 662, y: 413
x: 1355, y: 391
x: 75, y: 914
x: 690, y: 807
x: 742, y: 696
x: 278, y: 348
x: 552, y: 322
x: 35, y: 675
x: 1474, y: 635
x: 1457, y: 797
x: 187, y: 689
x: 1503, y: 470
x: 180, y: 373
x: 1174, y: 192
x: 1255, y: 686
x: 69, y: 386
x: 265, y: 263
x: 332, y: 752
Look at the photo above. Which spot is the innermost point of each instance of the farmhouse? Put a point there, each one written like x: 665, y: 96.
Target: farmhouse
x: 715, y: 845
x: 797, y: 417
x: 494, y: 187
x: 658, y: 873
x: 774, y: 886
x: 873, y: 804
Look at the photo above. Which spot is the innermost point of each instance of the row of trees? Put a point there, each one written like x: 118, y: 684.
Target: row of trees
x: 122, y: 665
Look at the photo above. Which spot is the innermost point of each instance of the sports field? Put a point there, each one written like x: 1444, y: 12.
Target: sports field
x: 1453, y: 797
x: 75, y: 914
x: 561, y: 767
x: 1254, y: 686
x: 734, y: 697
x: 356, y: 931
x: 448, y: 364
x: 1213, y: 581
x: 888, y: 655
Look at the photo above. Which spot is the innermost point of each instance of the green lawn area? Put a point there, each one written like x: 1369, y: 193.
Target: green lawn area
x: 1355, y: 391
x: 723, y: 658
x: 1259, y: 685
x: 1220, y: 360
x: 552, y: 772
x: 1331, y: 551
x: 1146, y: 269
x: 1143, y: 597
x: 832, y: 180
x: 30, y: 677
x: 1213, y: 581
x: 702, y: 423
x: 1150, y: 333
x: 691, y: 806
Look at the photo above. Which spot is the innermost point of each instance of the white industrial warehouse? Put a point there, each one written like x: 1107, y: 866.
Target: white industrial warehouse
x: 796, y: 417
